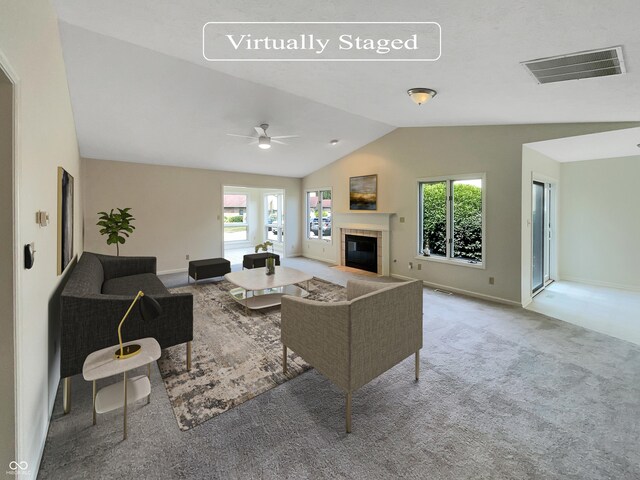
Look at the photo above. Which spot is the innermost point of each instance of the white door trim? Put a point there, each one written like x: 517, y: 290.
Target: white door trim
x: 6, y: 68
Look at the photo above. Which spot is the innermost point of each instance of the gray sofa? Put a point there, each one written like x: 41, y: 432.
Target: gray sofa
x: 97, y: 295
x: 352, y: 342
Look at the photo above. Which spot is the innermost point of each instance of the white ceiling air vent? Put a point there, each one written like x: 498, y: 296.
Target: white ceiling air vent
x: 575, y: 66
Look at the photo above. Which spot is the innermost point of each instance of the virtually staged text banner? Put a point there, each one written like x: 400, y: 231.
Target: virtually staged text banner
x: 321, y: 41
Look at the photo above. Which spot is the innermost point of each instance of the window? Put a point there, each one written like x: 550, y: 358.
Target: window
x: 235, y: 218
x: 274, y: 221
x: 452, y: 219
x: 319, y: 223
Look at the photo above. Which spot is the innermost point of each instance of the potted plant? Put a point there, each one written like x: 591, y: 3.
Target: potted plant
x: 270, y: 261
x: 116, y: 226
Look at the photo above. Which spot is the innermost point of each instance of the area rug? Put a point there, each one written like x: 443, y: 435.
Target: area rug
x: 235, y: 357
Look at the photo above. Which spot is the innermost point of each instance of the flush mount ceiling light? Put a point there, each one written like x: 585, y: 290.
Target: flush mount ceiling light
x: 421, y: 95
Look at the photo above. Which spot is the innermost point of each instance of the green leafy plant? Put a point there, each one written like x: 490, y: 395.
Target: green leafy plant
x: 264, y: 246
x: 467, y: 231
x: 116, y: 226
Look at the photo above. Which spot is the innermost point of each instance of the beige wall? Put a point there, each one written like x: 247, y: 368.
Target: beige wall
x: 406, y: 154
x: 29, y: 41
x: 600, y: 226
x: 178, y: 210
x: 7, y: 364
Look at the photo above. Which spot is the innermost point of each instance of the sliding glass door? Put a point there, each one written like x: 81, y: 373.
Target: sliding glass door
x: 541, y: 235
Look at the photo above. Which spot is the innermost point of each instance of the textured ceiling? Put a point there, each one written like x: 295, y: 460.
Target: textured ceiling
x: 478, y: 78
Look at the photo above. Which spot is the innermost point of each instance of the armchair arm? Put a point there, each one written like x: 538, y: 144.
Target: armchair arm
x: 319, y: 333
x: 115, y: 267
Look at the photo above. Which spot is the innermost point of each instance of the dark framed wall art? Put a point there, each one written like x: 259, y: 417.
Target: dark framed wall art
x: 363, y: 192
x: 65, y: 219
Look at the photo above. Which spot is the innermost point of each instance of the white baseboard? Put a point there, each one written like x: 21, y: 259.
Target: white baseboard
x: 619, y: 286
x: 33, y: 472
x: 461, y: 291
x: 177, y: 270
x: 319, y: 259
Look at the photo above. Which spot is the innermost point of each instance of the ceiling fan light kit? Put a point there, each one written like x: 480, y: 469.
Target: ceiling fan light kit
x: 264, y: 143
x: 421, y: 95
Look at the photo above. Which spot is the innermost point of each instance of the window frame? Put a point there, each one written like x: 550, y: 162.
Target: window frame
x: 448, y: 259
x: 320, y: 237
x: 279, y: 223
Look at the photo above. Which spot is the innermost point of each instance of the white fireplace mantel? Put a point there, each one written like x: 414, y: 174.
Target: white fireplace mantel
x: 366, y: 221
x: 378, y: 221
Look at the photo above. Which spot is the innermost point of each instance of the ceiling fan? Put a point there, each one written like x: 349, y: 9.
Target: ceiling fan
x: 263, y: 140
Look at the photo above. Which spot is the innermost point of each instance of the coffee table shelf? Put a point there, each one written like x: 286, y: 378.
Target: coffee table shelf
x: 269, y: 297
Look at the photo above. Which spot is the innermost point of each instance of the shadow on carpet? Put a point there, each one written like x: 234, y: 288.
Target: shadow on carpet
x: 235, y: 357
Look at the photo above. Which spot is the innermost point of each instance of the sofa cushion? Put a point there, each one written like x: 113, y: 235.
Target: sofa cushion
x: 149, y: 283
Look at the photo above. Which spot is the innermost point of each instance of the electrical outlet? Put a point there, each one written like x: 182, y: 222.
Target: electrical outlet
x: 419, y: 266
x: 401, y: 219
x: 410, y: 265
x: 491, y: 280
x: 187, y: 256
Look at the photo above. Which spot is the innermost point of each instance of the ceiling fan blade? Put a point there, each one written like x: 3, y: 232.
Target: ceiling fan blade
x: 278, y: 141
x: 287, y: 136
x: 241, y: 136
x: 261, y: 131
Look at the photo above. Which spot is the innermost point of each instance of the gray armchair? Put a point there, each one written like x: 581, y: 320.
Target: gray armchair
x: 352, y: 342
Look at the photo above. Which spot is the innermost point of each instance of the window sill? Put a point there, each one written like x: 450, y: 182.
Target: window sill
x: 316, y: 239
x: 451, y: 261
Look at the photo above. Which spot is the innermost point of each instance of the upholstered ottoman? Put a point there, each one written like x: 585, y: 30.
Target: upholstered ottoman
x: 209, y: 268
x: 258, y: 260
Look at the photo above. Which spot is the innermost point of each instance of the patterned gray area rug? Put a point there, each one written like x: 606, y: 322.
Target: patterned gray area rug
x: 235, y: 357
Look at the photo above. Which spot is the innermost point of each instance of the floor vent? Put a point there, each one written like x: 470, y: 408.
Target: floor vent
x: 576, y: 66
x: 442, y: 291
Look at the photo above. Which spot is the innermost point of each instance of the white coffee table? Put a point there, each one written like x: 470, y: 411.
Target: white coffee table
x: 259, y: 290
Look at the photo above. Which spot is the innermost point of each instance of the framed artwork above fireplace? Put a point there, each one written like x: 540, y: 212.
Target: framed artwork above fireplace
x: 363, y: 192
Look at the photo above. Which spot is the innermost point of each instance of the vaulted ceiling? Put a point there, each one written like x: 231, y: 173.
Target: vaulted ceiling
x: 142, y: 92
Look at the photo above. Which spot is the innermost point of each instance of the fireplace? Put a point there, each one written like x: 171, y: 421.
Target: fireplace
x: 361, y: 252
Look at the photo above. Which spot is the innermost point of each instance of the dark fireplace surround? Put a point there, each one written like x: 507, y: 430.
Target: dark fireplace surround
x: 361, y: 252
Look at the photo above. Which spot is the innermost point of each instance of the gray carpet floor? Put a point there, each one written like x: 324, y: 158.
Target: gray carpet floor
x: 504, y: 394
